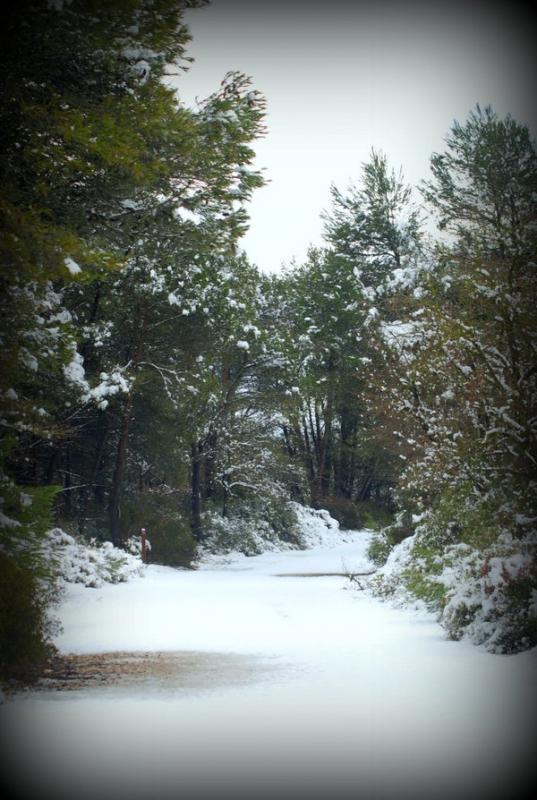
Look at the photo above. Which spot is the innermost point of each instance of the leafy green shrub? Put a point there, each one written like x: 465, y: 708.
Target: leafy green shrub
x: 344, y: 511
x: 461, y: 516
x: 28, y: 582
x: 496, y: 605
x: 374, y: 515
x: 24, y: 622
x: 278, y: 515
x: 168, y: 530
x: 481, y: 580
x: 520, y: 614
x: 423, y: 586
x: 252, y: 528
x: 355, y: 516
x: 462, y: 615
x: 379, y: 548
x: 384, y: 541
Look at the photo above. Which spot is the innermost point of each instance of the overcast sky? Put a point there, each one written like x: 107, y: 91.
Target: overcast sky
x: 342, y: 77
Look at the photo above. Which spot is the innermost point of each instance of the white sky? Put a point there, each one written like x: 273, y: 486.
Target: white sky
x: 342, y: 77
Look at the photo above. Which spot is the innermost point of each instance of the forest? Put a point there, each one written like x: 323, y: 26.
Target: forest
x: 153, y: 377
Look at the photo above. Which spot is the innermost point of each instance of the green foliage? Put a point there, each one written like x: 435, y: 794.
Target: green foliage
x: 482, y: 590
x: 483, y: 181
x: 251, y: 528
x: 385, y: 539
x: 379, y: 549
x: 25, y: 626
x: 355, y: 514
x: 347, y: 512
x: 419, y: 576
x: 421, y: 585
x: 497, y: 607
x: 277, y: 514
x: 373, y: 514
x: 167, y: 383
x: 462, y: 515
x: 460, y: 618
x: 520, y: 632
x: 27, y: 581
x: 168, y: 529
x: 375, y: 224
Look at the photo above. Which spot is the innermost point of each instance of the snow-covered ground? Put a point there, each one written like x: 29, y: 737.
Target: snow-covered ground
x: 331, y: 692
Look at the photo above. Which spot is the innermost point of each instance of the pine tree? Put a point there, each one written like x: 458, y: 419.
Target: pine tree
x: 112, y: 190
x: 477, y: 395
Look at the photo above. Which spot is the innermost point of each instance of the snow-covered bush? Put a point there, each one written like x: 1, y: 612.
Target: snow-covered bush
x: 91, y: 564
x: 252, y: 529
x: 483, y: 590
x: 315, y: 526
x: 492, y: 600
x: 383, y: 541
x: 133, y: 545
x: 294, y: 527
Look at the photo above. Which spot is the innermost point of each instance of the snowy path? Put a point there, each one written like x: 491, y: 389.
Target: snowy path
x: 327, y: 691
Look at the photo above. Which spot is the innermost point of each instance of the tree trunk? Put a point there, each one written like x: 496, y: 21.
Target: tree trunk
x: 345, y: 463
x: 208, y: 488
x: 51, y: 466
x: 67, y: 499
x: 196, y: 450
x: 323, y: 475
x: 308, y: 454
x: 114, y: 508
x: 364, y: 492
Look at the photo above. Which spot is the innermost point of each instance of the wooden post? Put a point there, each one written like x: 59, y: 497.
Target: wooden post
x: 144, y: 544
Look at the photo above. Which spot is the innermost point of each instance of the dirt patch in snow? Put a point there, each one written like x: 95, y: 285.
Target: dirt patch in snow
x: 150, y: 670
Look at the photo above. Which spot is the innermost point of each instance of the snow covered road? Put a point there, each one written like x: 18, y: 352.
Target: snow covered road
x: 331, y: 693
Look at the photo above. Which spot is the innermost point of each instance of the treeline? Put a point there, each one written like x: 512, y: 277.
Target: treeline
x: 151, y: 376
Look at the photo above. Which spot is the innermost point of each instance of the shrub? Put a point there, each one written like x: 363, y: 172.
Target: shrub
x: 167, y: 528
x: 462, y: 516
x: 484, y: 588
x: 92, y: 564
x: 383, y: 541
x: 28, y: 582
x: 492, y: 597
x: 252, y: 528
x: 379, y: 548
x: 25, y: 626
x: 353, y: 515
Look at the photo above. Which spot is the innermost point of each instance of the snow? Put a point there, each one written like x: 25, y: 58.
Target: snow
x: 72, y: 266
x: 8, y: 522
x: 401, y: 336
x: 111, y: 384
x: 74, y: 370
x: 143, y: 70
x: 346, y: 693
x: 131, y: 205
x: 28, y: 359
x: 249, y: 328
x: 477, y: 587
x: 91, y: 565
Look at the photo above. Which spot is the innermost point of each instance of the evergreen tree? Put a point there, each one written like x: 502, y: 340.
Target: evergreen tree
x: 473, y: 381
x: 343, y: 298
x: 112, y: 191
